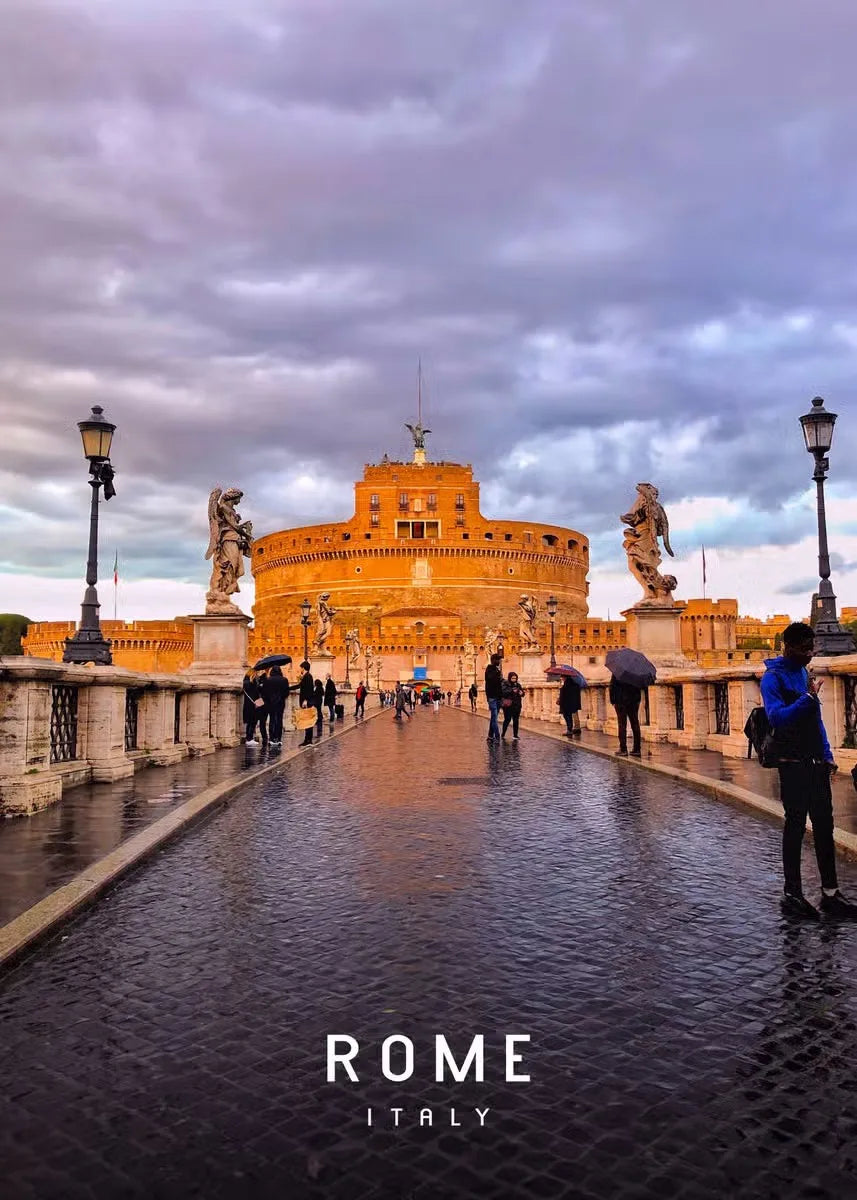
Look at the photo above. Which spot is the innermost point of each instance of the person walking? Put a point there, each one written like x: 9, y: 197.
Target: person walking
x: 800, y: 746
x: 449, y: 698
x: 512, y: 699
x: 400, y: 700
x: 568, y: 703
x: 318, y: 700
x: 435, y: 697
x: 275, y: 692
x: 473, y: 692
x: 360, y: 700
x: 330, y: 694
x: 625, y: 698
x: 254, y: 711
x: 306, y: 697
x: 493, y: 694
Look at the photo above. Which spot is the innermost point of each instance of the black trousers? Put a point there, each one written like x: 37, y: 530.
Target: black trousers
x: 358, y: 708
x: 805, y: 791
x: 260, y: 718
x: 276, y: 723
x: 628, y: 714
x: 512, y: 714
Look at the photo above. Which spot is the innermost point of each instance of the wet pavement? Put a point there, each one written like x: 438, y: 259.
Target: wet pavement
x: 685, y: 1039
x: 40, y: 853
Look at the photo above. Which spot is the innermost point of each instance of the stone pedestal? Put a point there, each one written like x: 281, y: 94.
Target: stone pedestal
x: 103, y: 722
x: 321, y: 664
x: 199, y: 733
x: 219, y: 647
x: 532, y: 670
x: 655, y: 630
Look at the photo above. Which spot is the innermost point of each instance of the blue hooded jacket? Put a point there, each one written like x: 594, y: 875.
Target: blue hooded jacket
x: 793, y: 712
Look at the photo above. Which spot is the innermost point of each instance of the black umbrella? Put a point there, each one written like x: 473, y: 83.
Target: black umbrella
x: 631, y: 667
x: 563, y: 670
x: 272, y: 660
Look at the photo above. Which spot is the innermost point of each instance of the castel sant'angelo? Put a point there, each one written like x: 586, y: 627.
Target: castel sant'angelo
x: 424, y: 578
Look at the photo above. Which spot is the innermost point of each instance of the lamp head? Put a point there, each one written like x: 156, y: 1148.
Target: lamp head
x: 552, y: 606
x: 817, y: 427
x: 96, y: 434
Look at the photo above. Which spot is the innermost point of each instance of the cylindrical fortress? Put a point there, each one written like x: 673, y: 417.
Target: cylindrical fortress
x: 418, y: 571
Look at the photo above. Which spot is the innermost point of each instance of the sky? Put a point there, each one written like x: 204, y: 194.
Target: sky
x: 621, y: 237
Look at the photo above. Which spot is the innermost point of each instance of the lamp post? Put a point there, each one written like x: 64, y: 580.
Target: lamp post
x: 378, y: 665
x: 306, y: 608
x: 348, y: 644
x: 89, y: 643
x: 552, y: 606
x: 460, y: 665
x: 830, y: 637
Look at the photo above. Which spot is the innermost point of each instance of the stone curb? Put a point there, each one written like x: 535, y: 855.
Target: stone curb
x: 719, y: 788
x: 36, y: 923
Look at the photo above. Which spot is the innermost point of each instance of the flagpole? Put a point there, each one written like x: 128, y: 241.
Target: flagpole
x: 703, y: 573
x: 115, y: 583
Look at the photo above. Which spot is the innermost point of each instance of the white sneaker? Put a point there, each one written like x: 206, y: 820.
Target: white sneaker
x: 252, y: 742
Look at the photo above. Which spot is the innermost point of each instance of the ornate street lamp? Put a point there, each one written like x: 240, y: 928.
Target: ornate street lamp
x: 830, y: 637
x: 89, y: 643
x: 460, y: 665
x: 348, y: 645
x: 306, y: 609
x: 552, y: 606
x: 378, y: 664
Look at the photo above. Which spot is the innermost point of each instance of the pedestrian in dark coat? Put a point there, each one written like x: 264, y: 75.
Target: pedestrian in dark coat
x: 568, y: 703
x: 254, y: 711
x: 318, y: 700
x: 493, y: 694
x: 626, y: 698
x: 275, y: 692
x: 330, y: 694
x: 473, y: 692
x: 512, y: 697
x: 360, y: 700
x: 306, y: 698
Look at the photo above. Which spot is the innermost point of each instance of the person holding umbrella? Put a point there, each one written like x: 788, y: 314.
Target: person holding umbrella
x: 275, y: 692
x: 568, y: 703
x: 630, y: 673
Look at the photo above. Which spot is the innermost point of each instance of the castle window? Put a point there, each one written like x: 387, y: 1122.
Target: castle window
x: 358, y: 570
x: 432, y: 529
x: 549, y: 539
x: 346, y: 537
x: 403, y: 501
x: 260, y: 553
x: 418, y: 529
x: 374, y: 519
x: 459, y: 520
x: 459, y: 500
x: 432, y: 500
x: 465, y: 536
x: 528, y: 536
x: 367, y: 535
x: 511, y: 570
x: 572, y: 544
x: 374, y: 500
x: 489, y: 537
x: 403, y: 529
x: 507, y: 537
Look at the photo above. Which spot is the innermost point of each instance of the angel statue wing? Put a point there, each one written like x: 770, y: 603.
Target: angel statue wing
x: 662, y: 528
x: 213, y: 522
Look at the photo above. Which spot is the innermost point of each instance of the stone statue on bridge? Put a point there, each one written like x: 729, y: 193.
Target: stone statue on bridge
x: 646, y: 521
x: 326, y: 613
x: 230, y: 540
x: 527, y: 636
x: 352, y: 640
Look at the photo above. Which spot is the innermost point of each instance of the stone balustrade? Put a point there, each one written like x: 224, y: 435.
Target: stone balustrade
x: 63, y: 725
x: 705, y: 709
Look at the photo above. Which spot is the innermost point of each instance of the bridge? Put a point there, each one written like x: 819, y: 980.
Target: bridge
x: 680, y: 1037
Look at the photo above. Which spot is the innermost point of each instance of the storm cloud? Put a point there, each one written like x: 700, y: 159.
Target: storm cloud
x: 620, y: 238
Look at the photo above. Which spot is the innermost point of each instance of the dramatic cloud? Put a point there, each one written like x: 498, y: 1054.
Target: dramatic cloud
x: 619, y: 236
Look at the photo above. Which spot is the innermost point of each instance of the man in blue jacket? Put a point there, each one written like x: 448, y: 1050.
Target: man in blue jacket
x: 805, y: 764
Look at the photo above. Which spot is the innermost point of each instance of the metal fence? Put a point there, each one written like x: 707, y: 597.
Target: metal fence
x: 132, y: 713
x: 63, y: 723
x: 177, y: 719
x: 850, y: 684
x: 678, y: 700
x: 721, y: 708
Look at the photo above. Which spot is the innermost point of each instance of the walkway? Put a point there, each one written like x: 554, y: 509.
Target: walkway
x: 685, y: 1039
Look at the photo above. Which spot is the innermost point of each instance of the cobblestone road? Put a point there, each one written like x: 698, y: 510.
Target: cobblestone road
x: 686, y: 1041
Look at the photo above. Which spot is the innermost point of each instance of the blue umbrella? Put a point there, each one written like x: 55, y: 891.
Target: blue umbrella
x: 564, y: 671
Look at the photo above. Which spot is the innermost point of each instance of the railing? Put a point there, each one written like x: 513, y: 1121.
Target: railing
x: 850, y: 687
x: 721, y: 708
x: 177, y: 719
x: 63, y: 723
x: 678, y: 701
x: 132, y: 717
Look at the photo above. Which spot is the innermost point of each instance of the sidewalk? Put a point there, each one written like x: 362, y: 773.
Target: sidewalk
x: 738, y: 779
x: 42, y: 853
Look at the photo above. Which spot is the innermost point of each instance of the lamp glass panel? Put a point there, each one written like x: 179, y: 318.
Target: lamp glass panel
x: 818, y: 431
x: 96, y: 440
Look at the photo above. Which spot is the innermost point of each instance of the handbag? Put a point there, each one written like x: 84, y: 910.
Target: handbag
x: 258, y: 702
x: 305, y: 718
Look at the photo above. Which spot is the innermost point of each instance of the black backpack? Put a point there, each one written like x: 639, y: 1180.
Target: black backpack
x: 760, y: 737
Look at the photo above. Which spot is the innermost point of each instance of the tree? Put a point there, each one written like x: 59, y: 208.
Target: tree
x: 12, y: 628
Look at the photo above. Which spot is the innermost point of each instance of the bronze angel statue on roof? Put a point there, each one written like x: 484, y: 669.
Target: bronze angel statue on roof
x: 418, y: 433
x: 646, y: 522
x: 230, y: 539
